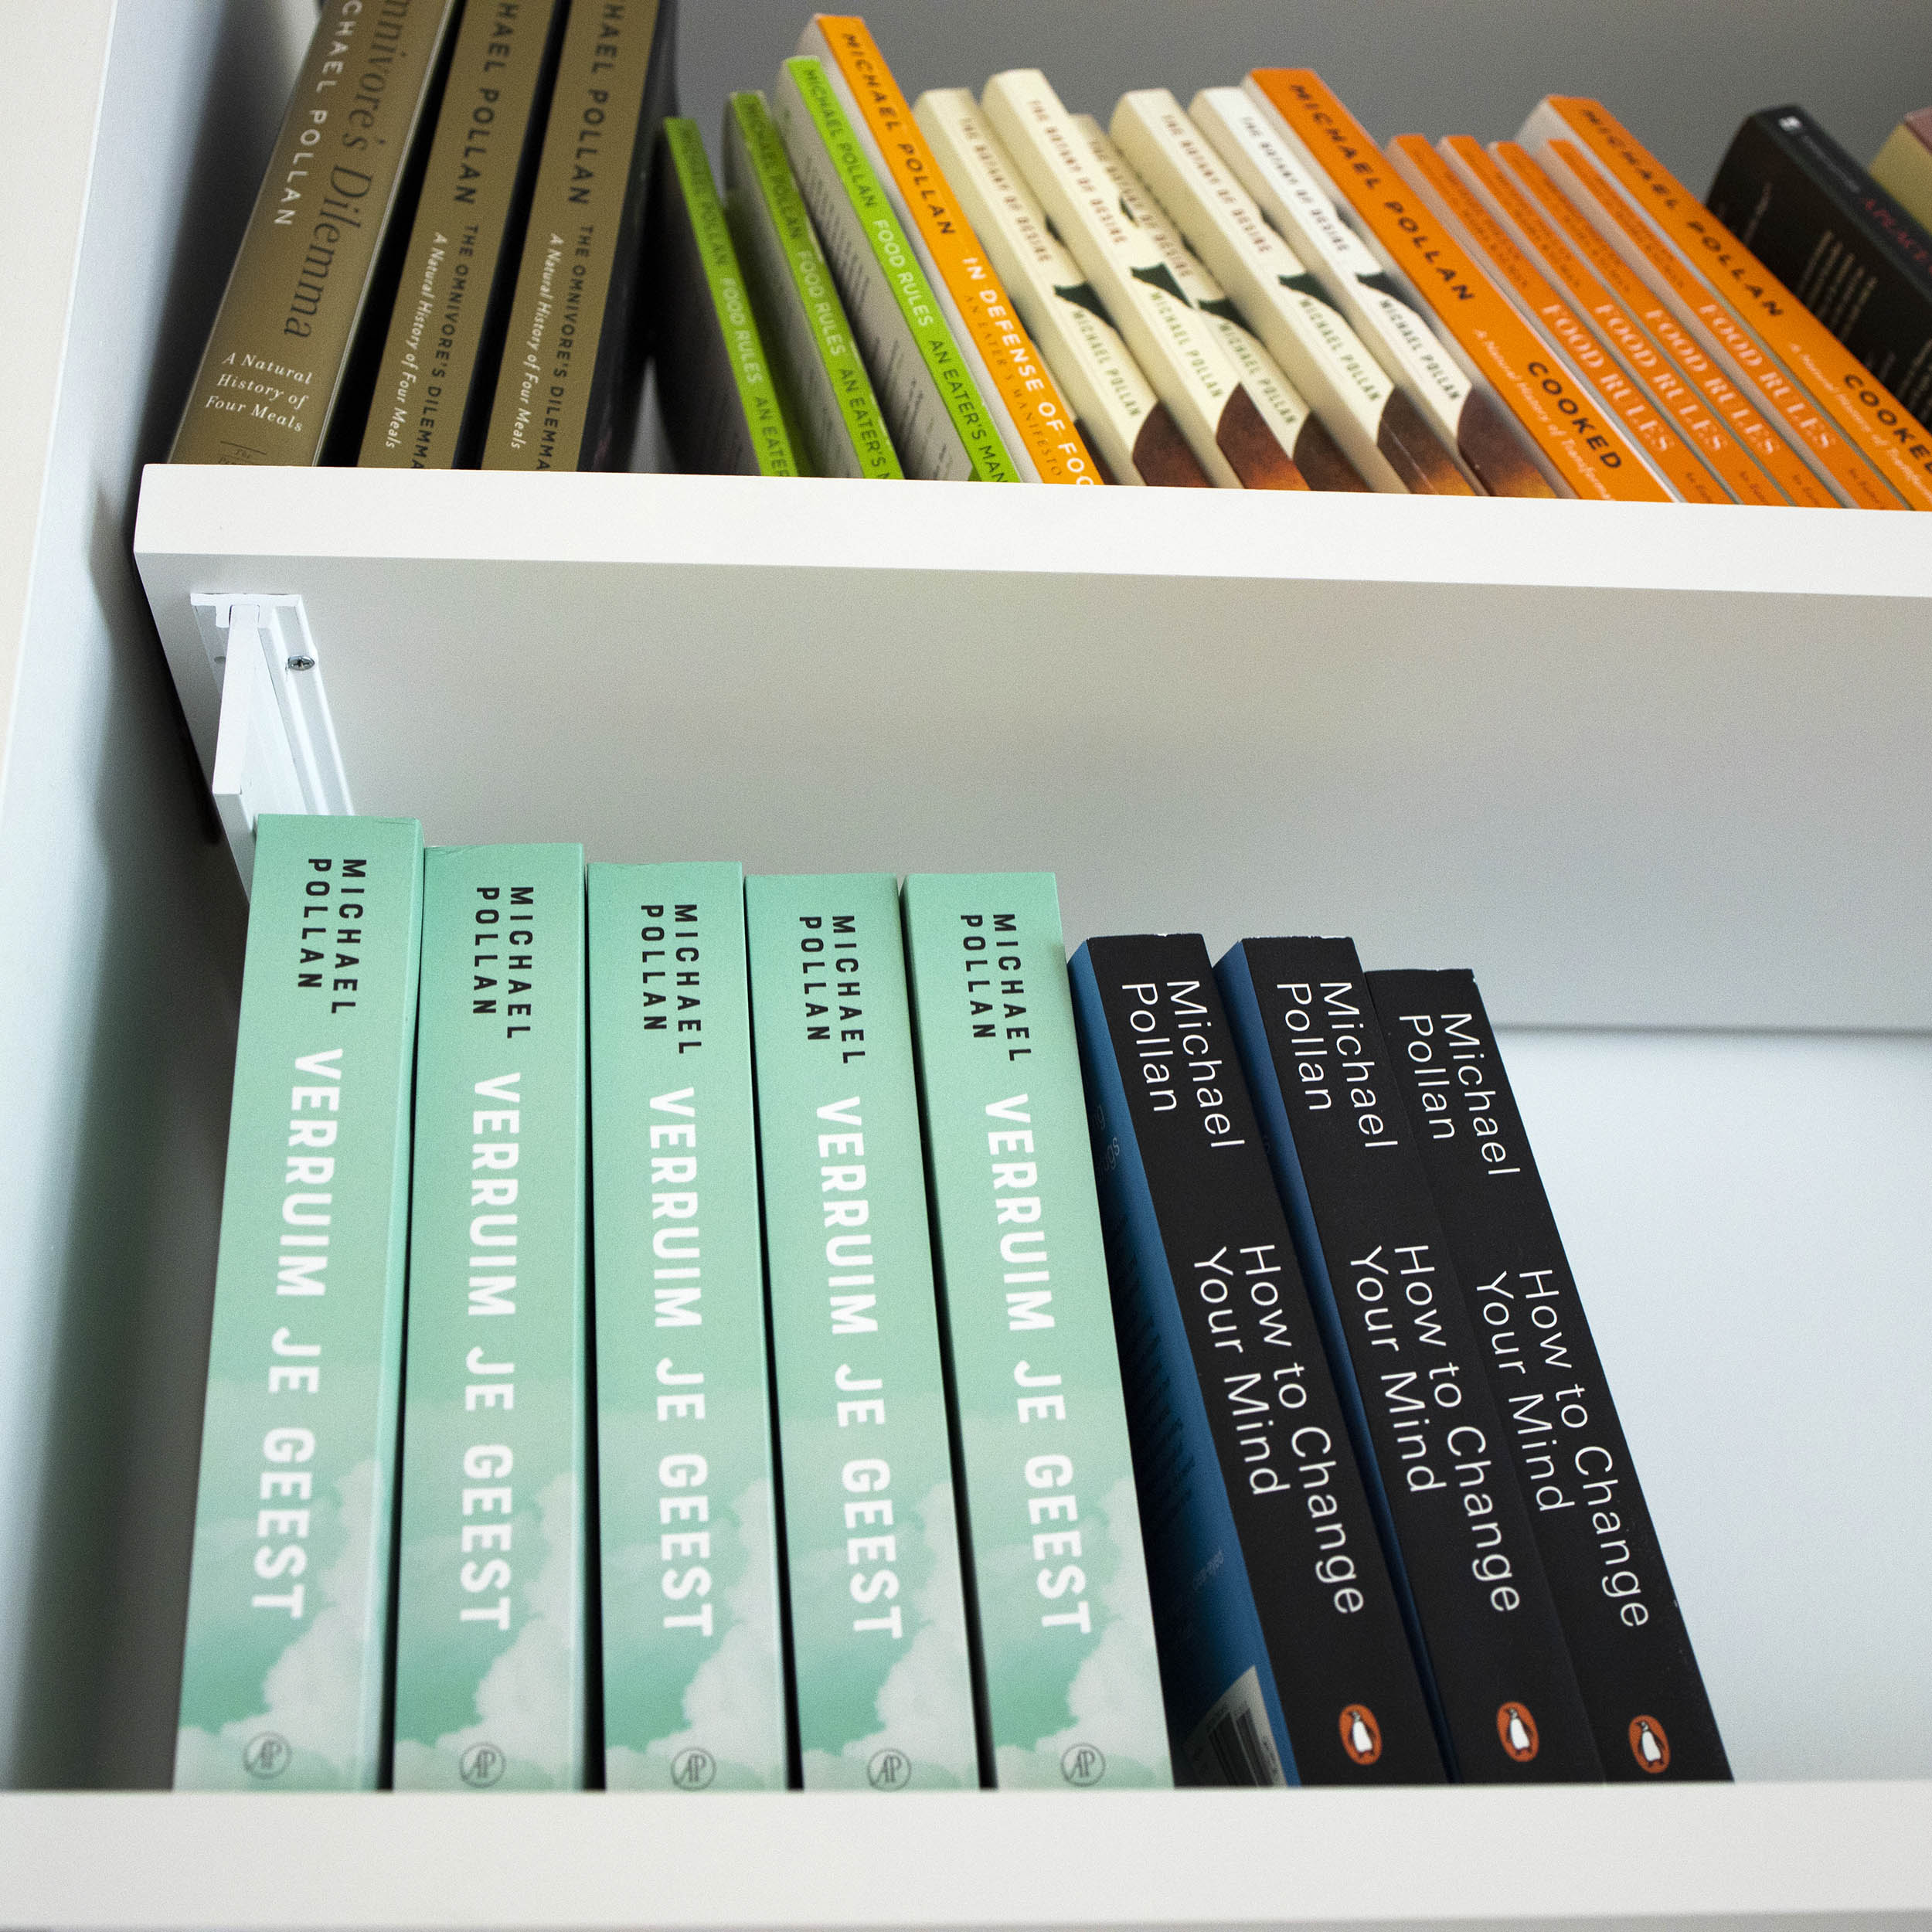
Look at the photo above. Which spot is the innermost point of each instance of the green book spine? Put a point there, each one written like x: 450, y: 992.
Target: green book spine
x: 278, y: 357
x: 461, y: 256
x: 829, y: 397
x: 694, y: 1695
x: 282, y: 1677
x: 846, y: 176
x: 490, y: 1619
x: 720, y: 403
x: 1072, y: 1684
x: 872, y: 1540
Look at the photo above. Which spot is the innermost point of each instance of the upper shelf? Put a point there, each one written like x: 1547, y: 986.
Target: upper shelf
x: 1642, y: 765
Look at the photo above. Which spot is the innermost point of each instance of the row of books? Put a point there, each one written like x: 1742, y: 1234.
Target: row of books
x: 683, y: 1332
x: 1247, y: 293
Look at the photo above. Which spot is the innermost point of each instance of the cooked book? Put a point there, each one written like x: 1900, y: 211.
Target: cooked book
x: 275, y: 383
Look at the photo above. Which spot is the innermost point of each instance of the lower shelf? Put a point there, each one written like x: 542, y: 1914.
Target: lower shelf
x: 1837, y: 1855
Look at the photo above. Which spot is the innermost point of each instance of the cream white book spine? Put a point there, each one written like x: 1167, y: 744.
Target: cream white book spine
x: 1296, y: 201
x: 1304, y: 438
x: 1123, y: 420
x: 1382, y: 433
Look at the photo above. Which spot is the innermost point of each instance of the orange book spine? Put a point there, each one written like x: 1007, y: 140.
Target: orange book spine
x: 1547, y: 403
x: 1727, y: 459
x: 1669, y: 456
x: 1872, y: 419
x: 1041, y: 416
x: 1748, y: 424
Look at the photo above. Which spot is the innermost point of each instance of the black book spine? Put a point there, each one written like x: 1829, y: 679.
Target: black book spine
x: 1429, y: 1433
x: 1843, y: 245
x: 1633, y: 1655
x: 1239, y: 1434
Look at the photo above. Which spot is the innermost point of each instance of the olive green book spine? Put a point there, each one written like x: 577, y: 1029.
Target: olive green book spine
x: 721, y: 407
x: 694, y: 1683
x: 838, y: 428
x: 277, y: 360
x: 283, y: 1673
x: 438, y: 363
x: 493, y: 1568
x: 572, y: 353
x: 884, y: 1689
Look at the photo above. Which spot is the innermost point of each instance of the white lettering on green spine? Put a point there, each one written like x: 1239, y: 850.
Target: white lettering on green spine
x: 757, y: 396
x: 490, y: 1622
x: 1072, y: 1685
x: 898, y: 267
x: 693, y: 1673
x: 878, y: 1612
x: 835, y: 412
x: 282, y: 1675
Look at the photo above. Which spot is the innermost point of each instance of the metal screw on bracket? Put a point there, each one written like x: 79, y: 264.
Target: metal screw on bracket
x: 300, y: 663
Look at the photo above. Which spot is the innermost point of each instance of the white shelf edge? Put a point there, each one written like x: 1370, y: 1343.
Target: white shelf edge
x: 233, y: 513
x: 1846, y: 1853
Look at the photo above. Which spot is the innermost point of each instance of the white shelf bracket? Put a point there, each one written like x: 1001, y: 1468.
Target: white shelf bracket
x: 275, y: 747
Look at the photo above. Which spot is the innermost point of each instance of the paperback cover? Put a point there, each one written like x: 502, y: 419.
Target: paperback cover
x: 1632, y: 1653
x: 437, y: 369
x: 1428, y: 1430
x: 1304, y: 438
x: 1846, y: 249
x: 1512, y: 268
x: 1071, y: 1686
x: 284, y: 1668
x: 1125, y: 426
x: 1689, y: 411
x: 837, y: 426
x: 720, y: 404
x: 1903, y: 166
x: 1383, y: 434
x: 694, y: 1691
x: 1179, y: 348
x: 1579, y: 451
x: 1297, y: 200
x: 490, y: 1647
x: 883, y: 1688
x: 274, y: 376
x: 1875, y: 449
x: 940, y: 425
x: 1283, y: 1654
x: 1709, y: 369
x: 1033, y: 417
x: 573, y: 353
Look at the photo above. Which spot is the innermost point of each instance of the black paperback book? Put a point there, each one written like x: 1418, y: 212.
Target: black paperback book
x: 1633, y: 1655
x: 1429, y: 1433
x: 1274, y: 1610
x: 1843, y: 245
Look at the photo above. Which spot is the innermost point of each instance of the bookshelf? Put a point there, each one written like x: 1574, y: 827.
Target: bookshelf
x: 1694, y: 796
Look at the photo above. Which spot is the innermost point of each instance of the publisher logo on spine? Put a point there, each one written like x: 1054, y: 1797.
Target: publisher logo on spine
x: 890, y: 1771
x: 1650, y: 1745
x: 481, y: 1765
x: 1083, y: 1764
x: 1361, y: 1735
x: 693, y: 1769
x: 1517, y: 1729
x: 266, y: 1755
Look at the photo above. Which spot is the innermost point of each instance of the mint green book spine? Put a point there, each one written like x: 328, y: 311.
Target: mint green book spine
x: 282, y: 1672
x: 895, y: 264
x: 490, y: 1650
x: 1073, y: 1685
x: 770, y: 442
x: 694, y: 1693
x: 872, y: 1539
x: 829, y: 397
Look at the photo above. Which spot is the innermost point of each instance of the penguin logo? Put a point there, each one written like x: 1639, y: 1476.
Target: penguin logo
x: 1517, y: 1729
x: 1361, y: 1735
x: 1650, y: 1745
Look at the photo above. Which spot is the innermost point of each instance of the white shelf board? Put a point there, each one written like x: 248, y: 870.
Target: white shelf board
x: 1833, y: 1855
x: 1639, y: 765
